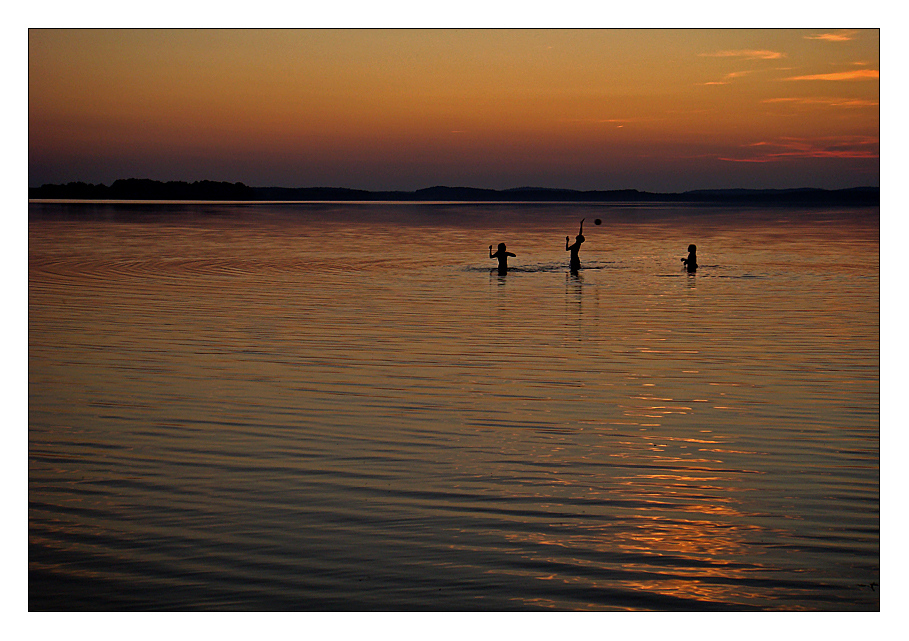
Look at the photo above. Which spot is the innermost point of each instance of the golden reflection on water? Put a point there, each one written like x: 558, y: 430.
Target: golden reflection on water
x: 222, y: 399
x: 689, y: 559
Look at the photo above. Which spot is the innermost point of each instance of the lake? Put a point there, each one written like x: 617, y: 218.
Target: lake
x: 337, y: 406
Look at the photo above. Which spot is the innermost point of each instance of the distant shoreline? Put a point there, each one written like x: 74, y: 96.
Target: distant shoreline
x: 152, y: 190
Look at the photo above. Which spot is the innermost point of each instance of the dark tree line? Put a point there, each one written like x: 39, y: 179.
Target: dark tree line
x: 144, y: 189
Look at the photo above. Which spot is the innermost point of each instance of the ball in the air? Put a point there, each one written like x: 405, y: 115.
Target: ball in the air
x: 598, y: 222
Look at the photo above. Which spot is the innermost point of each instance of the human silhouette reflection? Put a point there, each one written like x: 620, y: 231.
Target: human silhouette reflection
x: 691, y: 263
x: 574, y: 263
x: 502, y: 255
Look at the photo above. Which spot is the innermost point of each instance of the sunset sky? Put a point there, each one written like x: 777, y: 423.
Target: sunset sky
x: 654, y: 109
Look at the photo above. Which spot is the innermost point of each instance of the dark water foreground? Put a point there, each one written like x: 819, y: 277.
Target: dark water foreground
x: 344, y: 407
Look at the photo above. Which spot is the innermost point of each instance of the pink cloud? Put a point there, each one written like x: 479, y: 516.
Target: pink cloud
x: 789, y: 148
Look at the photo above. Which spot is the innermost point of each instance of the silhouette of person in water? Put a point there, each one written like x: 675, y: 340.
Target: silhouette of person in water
x: 691, y: 263
x: 574, y: 262
x: 502, y: 255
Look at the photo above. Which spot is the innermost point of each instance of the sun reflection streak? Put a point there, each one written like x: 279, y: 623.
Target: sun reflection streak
x: 692, y: 560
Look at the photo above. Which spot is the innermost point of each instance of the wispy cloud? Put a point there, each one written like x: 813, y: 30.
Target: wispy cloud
x: 727, y: 78
x: 828, y: 102
x: 618, y: 122
x: 792, y: 148
x: 747, y: 54
x: 841, y: 36
x: 858, y: 74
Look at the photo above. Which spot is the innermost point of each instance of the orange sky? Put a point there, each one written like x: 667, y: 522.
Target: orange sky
x: 656, y: 110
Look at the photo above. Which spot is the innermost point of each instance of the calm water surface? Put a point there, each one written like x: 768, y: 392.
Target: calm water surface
x: 332, y: 406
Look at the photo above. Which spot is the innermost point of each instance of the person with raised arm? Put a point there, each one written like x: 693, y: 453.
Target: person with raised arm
x: 574, y: 262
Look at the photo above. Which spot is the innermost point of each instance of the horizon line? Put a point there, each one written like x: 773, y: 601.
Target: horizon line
x: 242, y: 184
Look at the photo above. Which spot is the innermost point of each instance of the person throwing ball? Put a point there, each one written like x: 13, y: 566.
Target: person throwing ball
x: 574, y: 263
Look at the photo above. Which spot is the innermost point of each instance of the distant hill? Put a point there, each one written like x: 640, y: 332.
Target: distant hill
x: 144, y: 189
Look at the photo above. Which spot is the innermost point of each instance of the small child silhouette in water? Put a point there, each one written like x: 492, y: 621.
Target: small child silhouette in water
x: 574, y: 262
x: 691, y: 263
x: 502, y: 255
